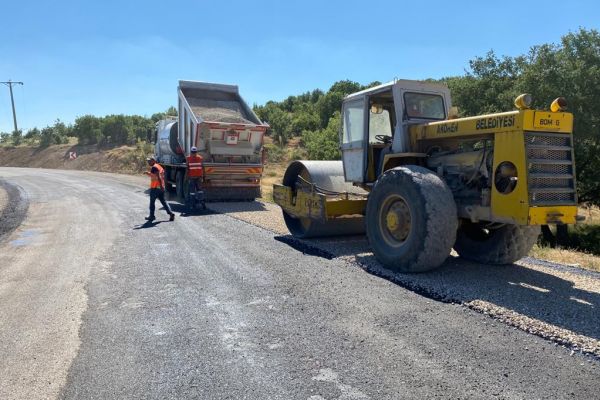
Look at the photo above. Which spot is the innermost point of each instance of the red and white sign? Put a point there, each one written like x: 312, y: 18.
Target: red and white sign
x: 72, y: 155
x: 231, y: 138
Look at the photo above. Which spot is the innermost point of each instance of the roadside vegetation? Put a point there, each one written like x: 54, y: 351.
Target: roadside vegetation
x: 306, y: 126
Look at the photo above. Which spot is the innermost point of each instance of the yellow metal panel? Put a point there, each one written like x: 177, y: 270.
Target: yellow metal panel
x: 552, y: 214
x: 316, y: 205
x: 337, y: 208
x: 472, y: 126
x: 548, y: 121
x: 304, y: 205
x: 388, y: 157
x: 510, y: 146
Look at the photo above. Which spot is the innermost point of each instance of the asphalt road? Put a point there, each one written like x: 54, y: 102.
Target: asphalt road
x: 95, y: 305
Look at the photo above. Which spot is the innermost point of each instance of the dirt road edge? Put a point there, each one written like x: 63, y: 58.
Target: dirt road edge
x: 14, y: 211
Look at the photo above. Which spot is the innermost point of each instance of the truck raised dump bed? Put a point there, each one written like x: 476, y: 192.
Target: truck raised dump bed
x: 227, y: 133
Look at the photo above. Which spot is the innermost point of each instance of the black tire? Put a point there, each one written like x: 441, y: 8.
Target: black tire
x: 411, y: 219
x: 180, y: 185
x: 503, y: 245
x: 169, y: 187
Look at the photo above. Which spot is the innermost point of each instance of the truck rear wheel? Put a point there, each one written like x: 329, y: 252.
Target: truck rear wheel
x: 180, y: 185
x: 503, y: 245
x: 411, y: 219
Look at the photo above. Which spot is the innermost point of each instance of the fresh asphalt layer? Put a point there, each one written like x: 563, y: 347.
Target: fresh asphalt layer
x: 96, y: 304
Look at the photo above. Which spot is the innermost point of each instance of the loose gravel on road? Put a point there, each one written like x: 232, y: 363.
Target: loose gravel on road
x: 556, y: 302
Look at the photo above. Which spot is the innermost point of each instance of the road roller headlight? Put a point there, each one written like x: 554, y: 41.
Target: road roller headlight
x: 523, y: 102
x: 505, y: 177
x: 559, y: 104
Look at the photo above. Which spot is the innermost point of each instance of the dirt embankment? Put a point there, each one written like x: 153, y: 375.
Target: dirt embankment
x: 124, y: 159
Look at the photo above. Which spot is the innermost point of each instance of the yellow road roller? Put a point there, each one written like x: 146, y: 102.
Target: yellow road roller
x: 420, y: 181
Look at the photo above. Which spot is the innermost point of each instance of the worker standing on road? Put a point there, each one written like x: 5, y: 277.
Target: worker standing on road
x: 157, y: 188
x: 195, y: 172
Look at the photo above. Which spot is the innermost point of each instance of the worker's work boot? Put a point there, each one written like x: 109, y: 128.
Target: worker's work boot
x: 172, y: 217
x: 150, y: 218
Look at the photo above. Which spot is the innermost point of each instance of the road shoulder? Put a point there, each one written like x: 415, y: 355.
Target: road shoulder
x: 13, y: 208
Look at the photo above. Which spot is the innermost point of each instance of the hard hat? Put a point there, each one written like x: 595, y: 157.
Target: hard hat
x: 194, y: 149
x: 150, y: 158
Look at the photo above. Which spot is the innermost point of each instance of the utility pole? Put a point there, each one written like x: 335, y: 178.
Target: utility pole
x: 12, y: 100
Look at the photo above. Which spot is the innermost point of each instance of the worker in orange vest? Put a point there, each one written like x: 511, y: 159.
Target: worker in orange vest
x: 195, y: 171
x: 157, y: 188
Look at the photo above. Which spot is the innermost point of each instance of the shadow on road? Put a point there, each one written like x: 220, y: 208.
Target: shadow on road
x: 224, y: 207
x: 184, y: 212
x: 329, y: 247
x: 148, y: 224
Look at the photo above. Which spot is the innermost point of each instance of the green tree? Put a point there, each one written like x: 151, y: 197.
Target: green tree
x: 170, y: 112
x: 142, y: 127
x: 47, y: 137
x: 33, y: 135
x: 324, y: 144
x: 61, y: 132
x: 490, y: 86
x: 17, y: 137
x: 117, y: 129
x: 88, y: 129
x: 4, y: 137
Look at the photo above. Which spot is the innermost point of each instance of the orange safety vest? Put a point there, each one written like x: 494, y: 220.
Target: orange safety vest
x: 157, y: 179
x: 195, y: 166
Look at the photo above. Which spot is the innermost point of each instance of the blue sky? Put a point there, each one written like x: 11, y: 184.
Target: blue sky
x: 112, y: 57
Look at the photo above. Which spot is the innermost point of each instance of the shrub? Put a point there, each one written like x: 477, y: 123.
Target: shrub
x: 297, y: 154
x: 274, y: 153
x: 324, y: 144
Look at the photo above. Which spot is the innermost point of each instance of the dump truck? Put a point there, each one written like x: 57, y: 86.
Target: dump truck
x: 421, y: 181
x: 227, y: 133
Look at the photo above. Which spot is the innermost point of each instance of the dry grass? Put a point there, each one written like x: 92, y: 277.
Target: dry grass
x: 567, y: 257
x: 570, y: 256
x: 273, y: 174
x: 591, y: 214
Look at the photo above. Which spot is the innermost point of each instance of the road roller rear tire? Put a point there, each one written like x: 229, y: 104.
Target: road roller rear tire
x: 411, y: 219
x: 499, y: 246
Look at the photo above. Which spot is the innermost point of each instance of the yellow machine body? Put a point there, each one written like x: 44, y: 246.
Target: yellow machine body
x: 514, y: 135
x: 311, y: 204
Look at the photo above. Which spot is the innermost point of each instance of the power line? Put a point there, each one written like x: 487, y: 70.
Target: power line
x: 12, y: 100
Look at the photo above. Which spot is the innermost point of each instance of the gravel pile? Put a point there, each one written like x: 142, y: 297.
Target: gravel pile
x: 553, y: 301
x: 219, y: 110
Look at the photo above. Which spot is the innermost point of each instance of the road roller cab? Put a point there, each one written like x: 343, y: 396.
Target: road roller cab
x: 421, y: 182
x: 376, y: 121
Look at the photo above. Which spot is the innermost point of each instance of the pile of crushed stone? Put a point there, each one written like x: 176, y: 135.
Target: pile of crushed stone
x: 227, y: 111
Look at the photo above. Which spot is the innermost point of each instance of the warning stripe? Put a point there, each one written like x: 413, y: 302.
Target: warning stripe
x: 213, y: 170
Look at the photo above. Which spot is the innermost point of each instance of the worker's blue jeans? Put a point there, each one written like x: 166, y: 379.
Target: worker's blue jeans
x: 195, y: 191
x: 160, y: 195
